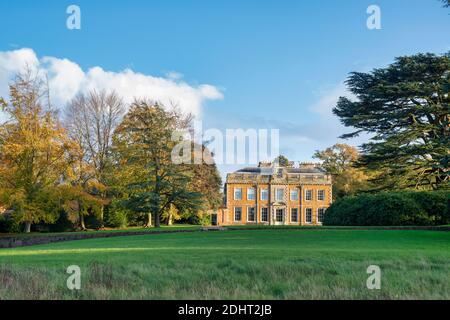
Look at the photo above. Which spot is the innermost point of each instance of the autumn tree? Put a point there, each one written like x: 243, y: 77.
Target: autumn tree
x: 34, y: 152
x: 80, y: 201
x: 405, y: 107
x: 143, y: 146
x: 340, y: 160
x: 206, y: 180
x: 81, y: 190
x: 91, y: 120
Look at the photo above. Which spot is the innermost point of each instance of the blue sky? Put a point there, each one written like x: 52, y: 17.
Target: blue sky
x: 278, y: 64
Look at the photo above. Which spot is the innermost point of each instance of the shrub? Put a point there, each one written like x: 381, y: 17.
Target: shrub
x: 93, y: 221
x: 65, y: 222
x: 404, y: 208
x: 117, y: 218
x: 435, y: 203
x: 199, y: 218
x: 9, y: 225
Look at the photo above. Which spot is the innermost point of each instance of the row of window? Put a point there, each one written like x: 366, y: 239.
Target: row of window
x: 279, y: 194
x: 279, y: 215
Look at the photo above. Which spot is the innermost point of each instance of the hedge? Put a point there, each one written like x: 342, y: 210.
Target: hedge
x: 401, y: 208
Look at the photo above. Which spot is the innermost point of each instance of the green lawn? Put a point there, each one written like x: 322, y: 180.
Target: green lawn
x: 243, y: 264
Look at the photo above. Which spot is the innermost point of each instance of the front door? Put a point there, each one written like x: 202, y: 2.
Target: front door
x: 279, y: 216
x: 214, y: 219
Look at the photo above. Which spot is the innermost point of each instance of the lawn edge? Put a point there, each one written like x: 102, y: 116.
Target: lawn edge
x: 19, y: 241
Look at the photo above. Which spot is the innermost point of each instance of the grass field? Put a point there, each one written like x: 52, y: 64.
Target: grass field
x: 244, y: 264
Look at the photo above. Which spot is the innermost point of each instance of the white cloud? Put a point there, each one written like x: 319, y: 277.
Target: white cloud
x: 67, y: 78
x: 174, y: 75
x: 12, y: 62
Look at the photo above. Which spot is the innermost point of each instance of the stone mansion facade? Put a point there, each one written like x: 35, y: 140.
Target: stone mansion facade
x: 273, y: 195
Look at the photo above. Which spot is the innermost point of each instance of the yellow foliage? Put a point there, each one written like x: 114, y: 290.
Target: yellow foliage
x: 35, y: 151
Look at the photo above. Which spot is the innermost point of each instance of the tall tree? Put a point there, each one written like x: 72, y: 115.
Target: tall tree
x: 34, y: 151
x: 82, y: 192
x: 406, y: 109
x: 207, y: 181
x: 91, y: 120
x: 143, y: 146
x: 339, y: 160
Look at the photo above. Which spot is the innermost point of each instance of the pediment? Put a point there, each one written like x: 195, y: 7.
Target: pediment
x: 279, y: 203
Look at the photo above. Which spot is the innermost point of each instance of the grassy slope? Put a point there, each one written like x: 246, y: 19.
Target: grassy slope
x: 262, y: 264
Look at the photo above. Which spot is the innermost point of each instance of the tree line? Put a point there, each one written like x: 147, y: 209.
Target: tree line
x: 97, y: 160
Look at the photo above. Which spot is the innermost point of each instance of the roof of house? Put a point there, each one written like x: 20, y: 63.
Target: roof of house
x: 258, y: 170
x: 306, y: 173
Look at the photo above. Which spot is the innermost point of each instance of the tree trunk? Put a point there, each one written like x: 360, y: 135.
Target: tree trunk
x: 149, y: 220
x: 169, y: 220
x: 102, y: 215
x: 27, y: 228
x: 82, y: 225
x: 81, y: 217
x: 102, y: 211
x: 157, y: 220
